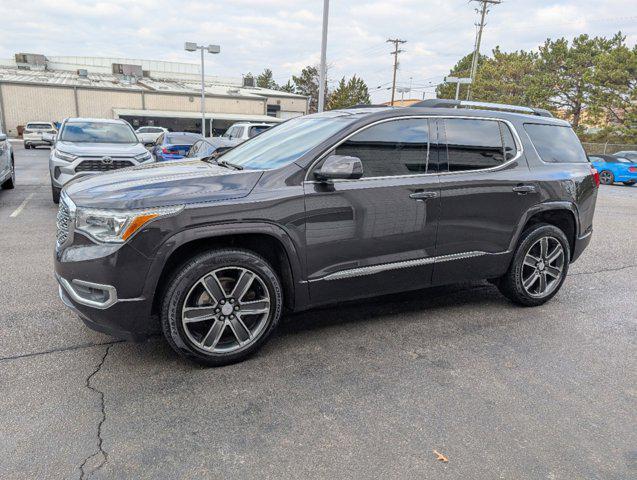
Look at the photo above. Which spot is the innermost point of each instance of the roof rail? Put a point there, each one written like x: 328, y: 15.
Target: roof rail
x: 446, y: 103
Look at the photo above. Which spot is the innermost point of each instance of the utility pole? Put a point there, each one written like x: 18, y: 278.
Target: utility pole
x: 323, y: 72
x: 476, y: 51
x: 396, y: 42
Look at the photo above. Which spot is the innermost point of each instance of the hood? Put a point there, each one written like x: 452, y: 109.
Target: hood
x: 100, y: 149
x: 161, y: 184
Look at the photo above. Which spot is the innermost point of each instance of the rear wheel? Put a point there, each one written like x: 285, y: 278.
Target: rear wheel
x: 9, y: 183
x: 630, y: 183
x: 606, y: 177
x: 539, y: 266
x: 221, y: 306
x: 55, y: 193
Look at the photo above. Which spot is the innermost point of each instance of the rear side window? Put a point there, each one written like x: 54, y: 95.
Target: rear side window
x: 555, y: 143
x: 477, y: 144
x: 257, y: 130
x: 391, y: 148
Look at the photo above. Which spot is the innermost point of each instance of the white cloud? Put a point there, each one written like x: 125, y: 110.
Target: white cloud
x: 285, y: 35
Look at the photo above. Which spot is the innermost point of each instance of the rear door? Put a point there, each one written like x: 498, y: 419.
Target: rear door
x: 376, y: 234
x: 486, y: 186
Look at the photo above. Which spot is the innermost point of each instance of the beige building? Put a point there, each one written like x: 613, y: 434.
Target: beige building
x: 167, y: 94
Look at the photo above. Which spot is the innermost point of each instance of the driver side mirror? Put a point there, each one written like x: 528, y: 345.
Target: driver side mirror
x: 340, y: 167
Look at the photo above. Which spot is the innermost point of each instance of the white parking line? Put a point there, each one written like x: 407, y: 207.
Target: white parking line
x: 18, y: 210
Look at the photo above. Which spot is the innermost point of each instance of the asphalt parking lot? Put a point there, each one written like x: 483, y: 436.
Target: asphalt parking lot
x: 363, y: 390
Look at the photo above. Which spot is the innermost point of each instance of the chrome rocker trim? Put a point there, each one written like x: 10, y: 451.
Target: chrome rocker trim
x: 373, y: 269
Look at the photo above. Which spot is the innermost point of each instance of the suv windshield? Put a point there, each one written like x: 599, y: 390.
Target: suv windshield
x: 98, y: 132
x: 285, y: 143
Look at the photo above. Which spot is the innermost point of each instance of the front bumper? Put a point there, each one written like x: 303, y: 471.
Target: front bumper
x: 105, y: 286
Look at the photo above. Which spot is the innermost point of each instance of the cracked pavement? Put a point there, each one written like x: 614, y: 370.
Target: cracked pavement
x: 361, y: 390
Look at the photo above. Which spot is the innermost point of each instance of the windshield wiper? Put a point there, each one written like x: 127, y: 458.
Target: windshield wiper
x: 225, y: 163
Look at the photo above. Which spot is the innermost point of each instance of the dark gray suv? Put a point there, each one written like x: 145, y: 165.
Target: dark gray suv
x: 321, y: 209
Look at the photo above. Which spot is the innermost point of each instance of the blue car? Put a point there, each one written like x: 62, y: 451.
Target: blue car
x: 173, y: 145
x: 614, y: 169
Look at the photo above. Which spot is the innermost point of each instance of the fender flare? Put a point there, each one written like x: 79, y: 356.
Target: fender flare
x: 544, y: 207
x: 170, y: 245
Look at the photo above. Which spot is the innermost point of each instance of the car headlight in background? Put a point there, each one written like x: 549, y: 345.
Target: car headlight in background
x: 67, y: 157
x: 117, y: 226
x: 143, y: 157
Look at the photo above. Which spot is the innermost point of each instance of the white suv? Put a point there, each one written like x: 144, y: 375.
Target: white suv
x: 148, y: 135
x: 33, y: 132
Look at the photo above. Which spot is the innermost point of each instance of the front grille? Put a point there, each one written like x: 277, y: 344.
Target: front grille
x: 63, y: 222
x: 100, y: 166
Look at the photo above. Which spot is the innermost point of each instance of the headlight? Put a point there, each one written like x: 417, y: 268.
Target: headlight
x: 67, y: 157
x: 142, y: 157
x: 117, y: 226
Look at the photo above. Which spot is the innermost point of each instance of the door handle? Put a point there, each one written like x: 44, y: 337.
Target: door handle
x: 524, y: 189
x: 423, y: 195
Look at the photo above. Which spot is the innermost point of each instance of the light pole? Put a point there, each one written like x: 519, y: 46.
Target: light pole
x: 323, y: 71
x: 193, y: 47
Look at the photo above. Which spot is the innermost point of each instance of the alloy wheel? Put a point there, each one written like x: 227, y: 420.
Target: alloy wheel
x: 226, y: 310
x: 605, y: 177
x: 543, y: 267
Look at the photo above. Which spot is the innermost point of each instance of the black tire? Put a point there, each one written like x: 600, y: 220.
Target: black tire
x: 606, y: 177
x: 9, y: 183
x: 189, y: 276
x: 27, y: 146
x: 55, y: 194
x: 511, y: 283
x: 630, y: 183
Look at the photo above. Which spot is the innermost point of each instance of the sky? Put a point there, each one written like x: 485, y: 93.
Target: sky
x: 285, y: 35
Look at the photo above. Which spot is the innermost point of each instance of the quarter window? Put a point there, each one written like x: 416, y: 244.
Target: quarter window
x: 556, y: 143
x: 392, y: 148
x: 477, y: 144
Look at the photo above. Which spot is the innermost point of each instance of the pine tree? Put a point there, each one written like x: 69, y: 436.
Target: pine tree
x: 348, y: 93
x: 266, y: 80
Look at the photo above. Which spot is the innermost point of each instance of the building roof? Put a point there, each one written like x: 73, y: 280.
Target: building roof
x: 238, y: 117
x: 159, y: 76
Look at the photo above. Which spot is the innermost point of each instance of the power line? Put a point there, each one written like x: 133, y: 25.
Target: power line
x: 396, y: 42
x: 476, y: 51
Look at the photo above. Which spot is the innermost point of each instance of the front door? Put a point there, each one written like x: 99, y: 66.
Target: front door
x: 376, y: 234
x: 485, y: 188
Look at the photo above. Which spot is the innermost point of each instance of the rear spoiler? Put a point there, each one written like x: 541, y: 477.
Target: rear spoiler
x: 445, y: 103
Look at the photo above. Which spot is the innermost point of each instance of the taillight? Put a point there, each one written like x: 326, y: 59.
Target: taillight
x: 165, y: 150
x: 595, y: 174
x: 632, y: 169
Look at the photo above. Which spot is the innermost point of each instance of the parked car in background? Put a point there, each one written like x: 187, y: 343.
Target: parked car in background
x: 173, y: 145
x: 613, y: 169
x: 7, y: 163
x: 34, y: 132
x: 86, y: 146
x: 240, y: 132
x: 149, y: 135
x: 629, y: 154
x: 208, y: 147
x: 326, y: 208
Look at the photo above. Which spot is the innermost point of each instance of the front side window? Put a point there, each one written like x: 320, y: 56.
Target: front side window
x: 476, y: 144
x: 98, y: 132
x: 391, y: 148
x: 556, y: 143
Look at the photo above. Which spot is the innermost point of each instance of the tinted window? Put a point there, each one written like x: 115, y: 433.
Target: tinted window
x: 474, y: 144
x: 143, y: 130
x: 182, y: 139
x: 257, y: 130
x: 556, y: 144
x: 98, y: 132
x: 510, y: 150
x: 39, y: 126
x: 390, y: 148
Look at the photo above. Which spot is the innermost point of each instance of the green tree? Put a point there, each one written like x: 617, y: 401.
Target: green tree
x: 461, y: 69
x: 266, y: 80
x: 307, y: 83
x: 288, y: 87
x: 348, y: 93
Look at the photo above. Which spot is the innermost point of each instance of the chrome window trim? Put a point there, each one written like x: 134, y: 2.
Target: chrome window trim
x: 383, y: 267
x: 514, y: 132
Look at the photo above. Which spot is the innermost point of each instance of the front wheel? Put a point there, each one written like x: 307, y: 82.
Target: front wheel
x: 539, y: 266
x: 606, y: 177
x: 221, y: 306
x: 9, y: 183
